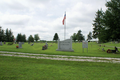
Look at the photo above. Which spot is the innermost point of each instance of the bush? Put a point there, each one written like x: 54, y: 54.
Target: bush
x: 10, y: 43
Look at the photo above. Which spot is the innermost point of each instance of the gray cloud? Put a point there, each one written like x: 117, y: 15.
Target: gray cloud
x: 44, y: 17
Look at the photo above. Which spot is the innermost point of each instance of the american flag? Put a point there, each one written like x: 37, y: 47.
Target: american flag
x: 64, y: 19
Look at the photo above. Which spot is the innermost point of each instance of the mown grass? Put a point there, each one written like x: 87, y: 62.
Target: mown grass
x: 93, y: 49
x: 14, y: 68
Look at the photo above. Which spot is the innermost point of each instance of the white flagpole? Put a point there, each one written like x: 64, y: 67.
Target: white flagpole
x: 65, y: 28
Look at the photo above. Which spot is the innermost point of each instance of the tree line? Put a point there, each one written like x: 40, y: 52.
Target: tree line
x: 8, y: 36
x: 107, y: 24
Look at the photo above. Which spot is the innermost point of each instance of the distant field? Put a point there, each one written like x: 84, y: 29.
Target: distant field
x: 14, y: 68
x: 93, y: 49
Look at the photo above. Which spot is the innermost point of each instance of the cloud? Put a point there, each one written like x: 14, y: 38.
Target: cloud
x: 44, y: 17
x: 17, y: 20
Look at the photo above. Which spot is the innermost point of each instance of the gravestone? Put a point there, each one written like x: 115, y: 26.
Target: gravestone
x: 4, y: 42
x: 20, y: 45
x: 1, y: 43
x: 103, y: 49
x: 32, y: 44
x: 65, y: 45
x: 22, y: 42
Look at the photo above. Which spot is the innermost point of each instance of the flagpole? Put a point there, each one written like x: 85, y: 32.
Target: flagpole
x: 65, y: 29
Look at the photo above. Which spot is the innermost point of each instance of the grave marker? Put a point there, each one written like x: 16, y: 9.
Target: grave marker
x: 20, y: 45
x: 65, y: 45
x: 1, y: 43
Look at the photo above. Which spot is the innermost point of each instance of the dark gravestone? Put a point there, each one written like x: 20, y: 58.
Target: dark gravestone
x: 32, y: 44
x: 4, y: 42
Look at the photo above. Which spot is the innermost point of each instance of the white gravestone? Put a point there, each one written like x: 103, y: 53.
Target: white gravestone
x: 65, y: 45
x: 20, y: 45
x: 1, y: 43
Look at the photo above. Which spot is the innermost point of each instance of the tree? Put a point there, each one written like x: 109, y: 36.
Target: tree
x: 23, y: 38
x: 74, y: 37
x: 9, y: 35
x: 79, y: 36
x: 112, y: 19
x: 89, y: 36
x: 55, y: 37
x: 2, y: 34
x: 19, y: 37
x: 97, y: 24
x: 30, y: 38
x: 36, y: 37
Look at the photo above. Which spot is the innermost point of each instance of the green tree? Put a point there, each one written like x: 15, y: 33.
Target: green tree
x: 9, y: 35
x: 36, y: 37
x: 89, y: 36
x: 97, y: 24
x: 30, y: 38
x: 55, y: 37
x: 112, y: 19
x: 2, y: 34
x: 79, y: 36
x: 19, y: 37
x: 74, y: 37
x: 23, y: 38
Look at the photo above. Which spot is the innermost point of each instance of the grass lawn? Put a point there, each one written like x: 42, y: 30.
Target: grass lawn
x: 93, y: 49
x: 14, y: 68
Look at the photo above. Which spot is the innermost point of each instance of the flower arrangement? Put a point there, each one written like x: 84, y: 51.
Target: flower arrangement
x: 17, y: 46
x: 44, y: 47
x: 108, y: 51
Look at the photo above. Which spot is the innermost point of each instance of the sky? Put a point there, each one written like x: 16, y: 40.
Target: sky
x: 44, y: 17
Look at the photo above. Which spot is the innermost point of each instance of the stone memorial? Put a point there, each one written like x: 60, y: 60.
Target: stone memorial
x: 32, y: 44
x: 1, y: 43
x: 65, y: 45
x: 22, y: 42
x: 4, y: 42
x: 20, y: 45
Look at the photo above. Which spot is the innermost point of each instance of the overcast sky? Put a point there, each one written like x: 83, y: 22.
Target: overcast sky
x: 44, y: 17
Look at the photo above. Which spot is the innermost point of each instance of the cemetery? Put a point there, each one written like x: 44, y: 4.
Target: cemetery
x: 34, y: 65
x: 94, y: 55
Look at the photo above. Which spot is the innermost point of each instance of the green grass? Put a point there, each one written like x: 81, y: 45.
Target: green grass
x: 93, y: 49
x: 14, y: 68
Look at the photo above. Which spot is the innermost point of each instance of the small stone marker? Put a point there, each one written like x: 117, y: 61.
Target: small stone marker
x: 20, y: 45
x: 4, y: 42
x: 1, y: 43
x: 22, y: 42
x: 103, y: 49
x: 32, y: 44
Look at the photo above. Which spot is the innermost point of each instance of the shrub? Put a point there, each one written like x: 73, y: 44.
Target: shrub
x: 10, y: 43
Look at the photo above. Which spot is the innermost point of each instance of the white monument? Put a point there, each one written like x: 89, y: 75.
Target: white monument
x: 65, y: 45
